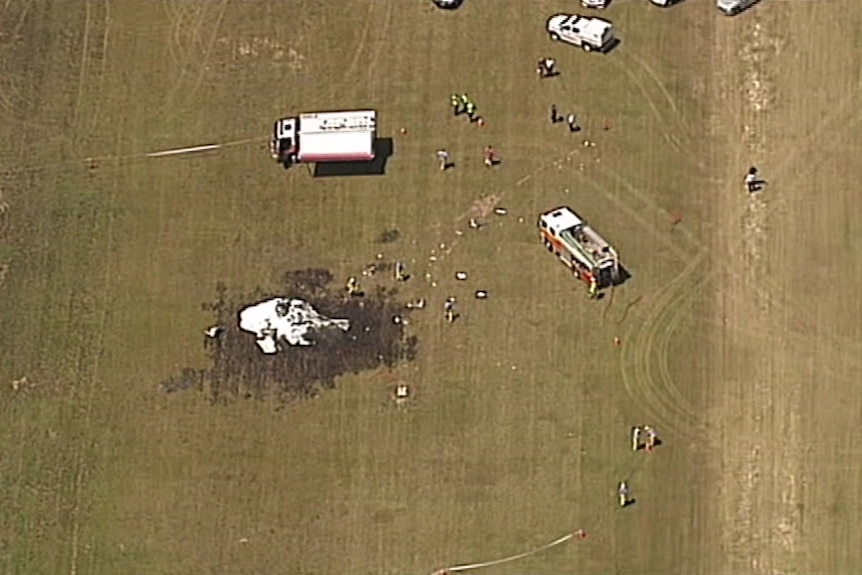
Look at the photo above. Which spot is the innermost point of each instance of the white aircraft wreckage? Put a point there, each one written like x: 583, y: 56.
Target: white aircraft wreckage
x: 288, y: 320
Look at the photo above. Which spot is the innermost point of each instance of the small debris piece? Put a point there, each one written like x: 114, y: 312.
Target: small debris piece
x: 418, y: 304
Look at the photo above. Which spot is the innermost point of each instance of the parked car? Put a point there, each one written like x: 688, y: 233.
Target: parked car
x: 447, y: 4
x: 732, y: 7
x: 597, y: 4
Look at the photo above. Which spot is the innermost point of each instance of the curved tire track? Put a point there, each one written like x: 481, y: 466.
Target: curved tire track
x: 668, y: 135
x: 661, y: 399
x: 189, y: 48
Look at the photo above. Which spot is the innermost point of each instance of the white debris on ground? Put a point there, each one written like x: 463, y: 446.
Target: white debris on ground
x: 401, y: 395
x: 285, y: 319
x: 214, y: 331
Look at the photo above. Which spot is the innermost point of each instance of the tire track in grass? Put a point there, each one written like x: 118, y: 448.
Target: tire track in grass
x: 106, y: 29
x: 174, y: 45
x: 681, y: 311
x: 684, y: 124
x: 179, y: 18
x: 358, y: 52
x: 92, y: 376
x: 635, y: 362
x: 662, y: 395
x: 667, y: 134
x: 678, y: 251
x: 205, y: 46
x: 83, y: 66
x: 760, y: 289
x: 8, y: 84
x: 381, y: 44
x: 193, y: 35
x: 697, y: 246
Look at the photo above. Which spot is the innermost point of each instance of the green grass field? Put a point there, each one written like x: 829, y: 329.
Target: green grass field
x: 739, y: 326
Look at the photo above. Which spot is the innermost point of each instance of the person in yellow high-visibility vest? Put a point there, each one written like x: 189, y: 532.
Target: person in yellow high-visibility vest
x: 594, y: 288
x: 455, y: 102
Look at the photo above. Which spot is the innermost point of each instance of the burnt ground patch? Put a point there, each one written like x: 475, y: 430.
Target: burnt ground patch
x: 240, y: 370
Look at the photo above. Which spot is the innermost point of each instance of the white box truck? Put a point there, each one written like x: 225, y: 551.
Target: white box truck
x: 317, y: 137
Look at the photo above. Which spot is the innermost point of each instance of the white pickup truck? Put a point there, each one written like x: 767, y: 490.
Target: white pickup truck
x: 588, y: 33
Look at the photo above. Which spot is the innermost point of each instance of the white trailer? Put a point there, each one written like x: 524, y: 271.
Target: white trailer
x: 325, y: 137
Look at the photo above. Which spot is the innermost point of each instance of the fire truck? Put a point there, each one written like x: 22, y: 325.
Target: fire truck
x: 580, y: 247
x: 325, y: 137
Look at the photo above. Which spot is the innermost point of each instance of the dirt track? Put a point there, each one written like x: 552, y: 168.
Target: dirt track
x: 779, y: 254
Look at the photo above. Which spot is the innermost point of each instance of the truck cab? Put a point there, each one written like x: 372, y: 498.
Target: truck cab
x: 284, y: 141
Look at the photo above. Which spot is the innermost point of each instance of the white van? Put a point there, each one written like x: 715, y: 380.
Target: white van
x: 733, y: 7
x: 588, y: 33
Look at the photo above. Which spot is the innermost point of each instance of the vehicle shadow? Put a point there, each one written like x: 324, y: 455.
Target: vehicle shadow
x: 612, y: 45
x: 749, y: 7
x: 621, y: 277
x: 383, y: 150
